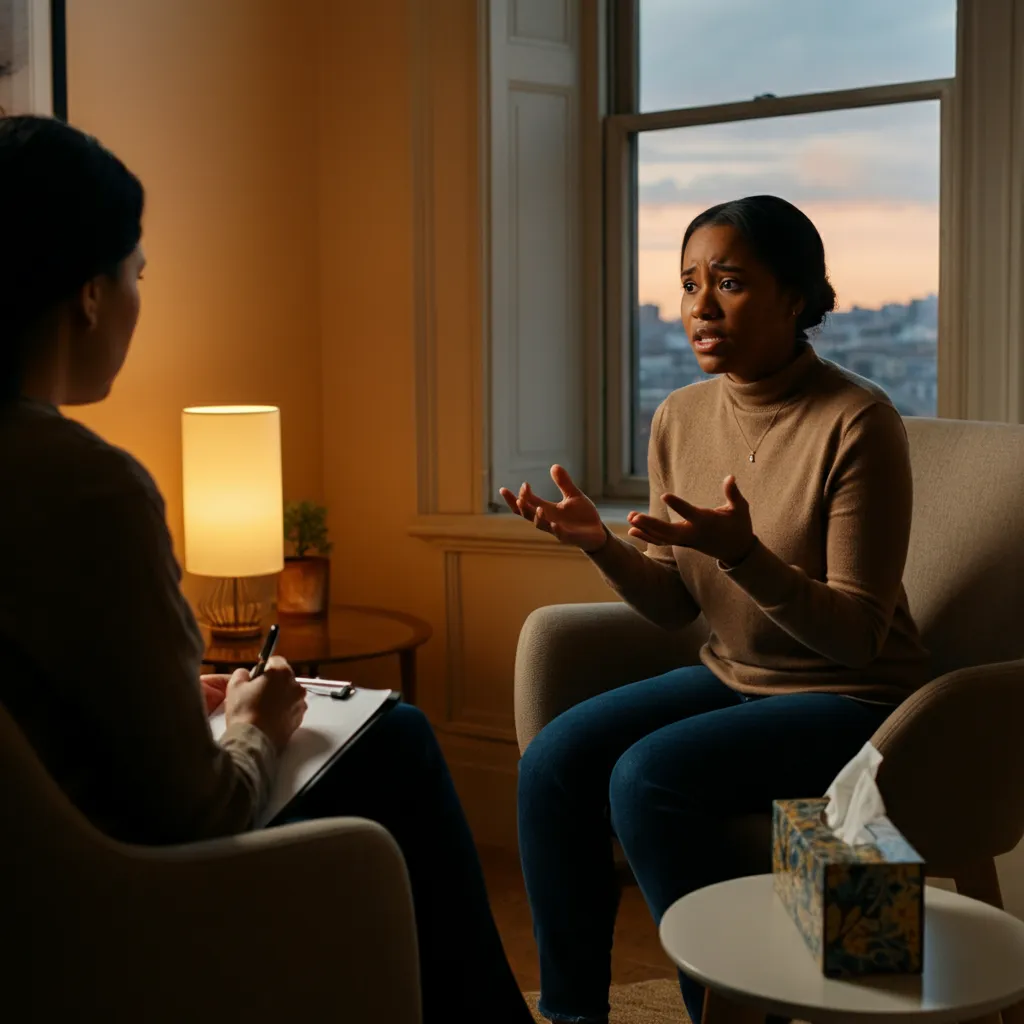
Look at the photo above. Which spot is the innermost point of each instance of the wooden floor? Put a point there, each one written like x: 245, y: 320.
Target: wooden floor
x: 636, y: 956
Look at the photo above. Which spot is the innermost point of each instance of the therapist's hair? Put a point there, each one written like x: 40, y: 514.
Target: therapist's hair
x: 786, y: 241
x: 70, y: 211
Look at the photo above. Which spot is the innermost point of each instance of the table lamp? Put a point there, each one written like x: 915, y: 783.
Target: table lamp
x: 232, y: 496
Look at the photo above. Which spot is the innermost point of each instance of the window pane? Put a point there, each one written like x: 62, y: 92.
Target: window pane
x: 869, y: 179
x: 695, y: 54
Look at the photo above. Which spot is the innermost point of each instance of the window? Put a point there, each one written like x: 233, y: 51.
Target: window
x: 839, y: 109
x: 609, y: 123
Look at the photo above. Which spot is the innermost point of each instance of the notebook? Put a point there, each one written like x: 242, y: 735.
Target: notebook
x: 328, y: 729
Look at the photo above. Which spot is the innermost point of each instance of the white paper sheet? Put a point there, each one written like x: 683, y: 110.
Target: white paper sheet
x: 328, y: 725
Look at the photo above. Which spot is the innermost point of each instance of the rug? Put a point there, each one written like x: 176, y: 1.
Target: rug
x: 645, y: 1002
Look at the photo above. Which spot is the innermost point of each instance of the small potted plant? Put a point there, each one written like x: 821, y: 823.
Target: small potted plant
x: 303, y: 588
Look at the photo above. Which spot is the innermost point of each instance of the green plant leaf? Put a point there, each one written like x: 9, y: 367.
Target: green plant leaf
x: 305, y: 527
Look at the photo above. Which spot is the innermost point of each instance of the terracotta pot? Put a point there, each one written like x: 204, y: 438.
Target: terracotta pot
x: 304, y: 586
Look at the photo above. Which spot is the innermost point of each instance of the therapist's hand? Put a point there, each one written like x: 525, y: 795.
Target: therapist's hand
x: 214, y: 687
x: 273, y: 702
x: 574, y: 520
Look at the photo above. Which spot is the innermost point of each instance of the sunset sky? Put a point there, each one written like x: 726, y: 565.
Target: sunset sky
x: 869, y: 179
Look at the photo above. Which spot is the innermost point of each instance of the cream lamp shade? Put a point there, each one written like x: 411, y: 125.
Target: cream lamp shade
x: 231, y: 483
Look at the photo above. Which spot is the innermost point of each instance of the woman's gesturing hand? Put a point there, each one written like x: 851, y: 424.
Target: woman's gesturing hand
x: 573, y: 520
x: 724, y: 533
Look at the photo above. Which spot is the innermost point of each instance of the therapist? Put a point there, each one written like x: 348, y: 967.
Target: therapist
x: 102, y: 651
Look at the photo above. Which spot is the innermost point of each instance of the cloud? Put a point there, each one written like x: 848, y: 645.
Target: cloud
x: 708, y: 189
x: 698, y: 54
x: 884, y: 154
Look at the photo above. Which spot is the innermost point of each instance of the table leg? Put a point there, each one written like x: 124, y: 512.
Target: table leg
x: 720, y: 1010
x: 407, y: 667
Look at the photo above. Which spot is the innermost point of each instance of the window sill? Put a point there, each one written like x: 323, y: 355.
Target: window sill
x: 504, y: 531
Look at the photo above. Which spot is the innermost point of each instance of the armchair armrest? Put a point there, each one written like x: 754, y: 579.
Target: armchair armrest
x: 570, y: 652
x: 953, y: 770
x: 304, y: 922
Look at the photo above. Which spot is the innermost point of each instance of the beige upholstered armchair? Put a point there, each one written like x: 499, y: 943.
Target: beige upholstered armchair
x: 307, y: 922
x: 956, y: 743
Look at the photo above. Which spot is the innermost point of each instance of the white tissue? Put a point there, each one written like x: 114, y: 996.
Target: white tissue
x: 854, y: 801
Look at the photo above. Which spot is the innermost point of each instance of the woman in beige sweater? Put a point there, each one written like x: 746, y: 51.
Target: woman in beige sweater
x: 780, y: 508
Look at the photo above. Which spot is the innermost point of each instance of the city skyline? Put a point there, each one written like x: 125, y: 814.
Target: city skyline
x: 893, y: 345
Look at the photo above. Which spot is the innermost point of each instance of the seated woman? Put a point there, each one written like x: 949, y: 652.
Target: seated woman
x: 780, y: 508
x: 101, y: 650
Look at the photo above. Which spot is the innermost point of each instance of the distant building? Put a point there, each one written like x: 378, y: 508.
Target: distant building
x: 894, y: 346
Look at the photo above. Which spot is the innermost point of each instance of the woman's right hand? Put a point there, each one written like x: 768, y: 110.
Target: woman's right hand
x: 273, y: 702
x: 573, y: 520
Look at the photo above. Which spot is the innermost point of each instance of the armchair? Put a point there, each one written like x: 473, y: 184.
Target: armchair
x: 957, y: 742
x: 305, y: 922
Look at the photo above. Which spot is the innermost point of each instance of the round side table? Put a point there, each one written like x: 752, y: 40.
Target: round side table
x: 737, y: 939
x: 346, y: 633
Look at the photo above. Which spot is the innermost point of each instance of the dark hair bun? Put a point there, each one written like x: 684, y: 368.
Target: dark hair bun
x: 816, y: 308
x: 787, y: 243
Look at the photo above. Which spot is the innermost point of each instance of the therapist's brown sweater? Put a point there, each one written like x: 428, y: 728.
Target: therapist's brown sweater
x: 819, y: 603
x: 100, y: 651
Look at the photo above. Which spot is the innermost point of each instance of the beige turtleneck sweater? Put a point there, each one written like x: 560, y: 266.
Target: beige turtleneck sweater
x: 819, y: 604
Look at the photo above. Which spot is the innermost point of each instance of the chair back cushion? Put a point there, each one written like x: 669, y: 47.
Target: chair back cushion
x: 965, y: 567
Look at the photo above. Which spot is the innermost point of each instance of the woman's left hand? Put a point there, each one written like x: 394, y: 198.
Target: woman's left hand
x: 213, y: 691
x: 724, y: 533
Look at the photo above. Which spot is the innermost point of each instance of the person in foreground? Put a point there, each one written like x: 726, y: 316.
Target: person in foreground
x: 780, y: 507
x: 102, y: 653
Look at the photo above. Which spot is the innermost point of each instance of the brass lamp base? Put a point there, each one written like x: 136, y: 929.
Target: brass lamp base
x: 231, y: 611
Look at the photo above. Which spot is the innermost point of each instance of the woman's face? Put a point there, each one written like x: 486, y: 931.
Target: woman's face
x: 109, y: 311
x: 739, y: 321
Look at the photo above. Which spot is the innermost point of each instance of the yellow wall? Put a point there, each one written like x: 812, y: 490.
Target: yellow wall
x: 403, y: 347
x: 288, y: 177
x: 213, y: 105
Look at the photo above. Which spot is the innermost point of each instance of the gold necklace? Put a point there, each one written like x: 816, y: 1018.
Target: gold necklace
x: 760, y: 440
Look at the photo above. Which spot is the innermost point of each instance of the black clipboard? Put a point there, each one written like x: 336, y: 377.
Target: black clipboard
x: 291, y: 808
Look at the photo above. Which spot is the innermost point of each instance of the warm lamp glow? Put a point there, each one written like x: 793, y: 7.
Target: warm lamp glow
x: 231, y: 478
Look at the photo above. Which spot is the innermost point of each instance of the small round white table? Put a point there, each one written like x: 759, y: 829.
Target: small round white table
x: 738, y: 940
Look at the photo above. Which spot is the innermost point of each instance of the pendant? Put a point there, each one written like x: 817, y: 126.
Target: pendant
x: 750, y: 457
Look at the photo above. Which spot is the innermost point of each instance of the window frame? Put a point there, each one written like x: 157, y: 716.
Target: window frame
x: 611, y: 447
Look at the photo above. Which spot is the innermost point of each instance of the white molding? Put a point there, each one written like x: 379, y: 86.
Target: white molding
x: 424, y: 285
x: 1015, y: 257
x: 41, y: 48
x: 951, y: 350
x: 784, y: 106
x: 503, y: 534
x: 454, y: 649
x: 989, y: 271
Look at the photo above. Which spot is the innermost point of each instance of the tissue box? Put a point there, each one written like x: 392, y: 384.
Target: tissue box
x: 860, y: 909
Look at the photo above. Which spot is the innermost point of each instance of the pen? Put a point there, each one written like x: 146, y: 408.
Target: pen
x: 341, y: 692
x: 266, y: 652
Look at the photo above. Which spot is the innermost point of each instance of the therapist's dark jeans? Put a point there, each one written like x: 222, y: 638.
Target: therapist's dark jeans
x: 396, y: 775
x: 663, y: 763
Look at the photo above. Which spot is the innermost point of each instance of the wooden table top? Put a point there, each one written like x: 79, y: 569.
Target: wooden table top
x: 347, y: 633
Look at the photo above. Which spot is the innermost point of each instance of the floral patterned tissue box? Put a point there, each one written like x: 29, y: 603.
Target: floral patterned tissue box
x: 859, y: 908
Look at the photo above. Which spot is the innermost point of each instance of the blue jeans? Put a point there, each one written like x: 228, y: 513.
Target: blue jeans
x: 662, y: 763
x: 397, y: 775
